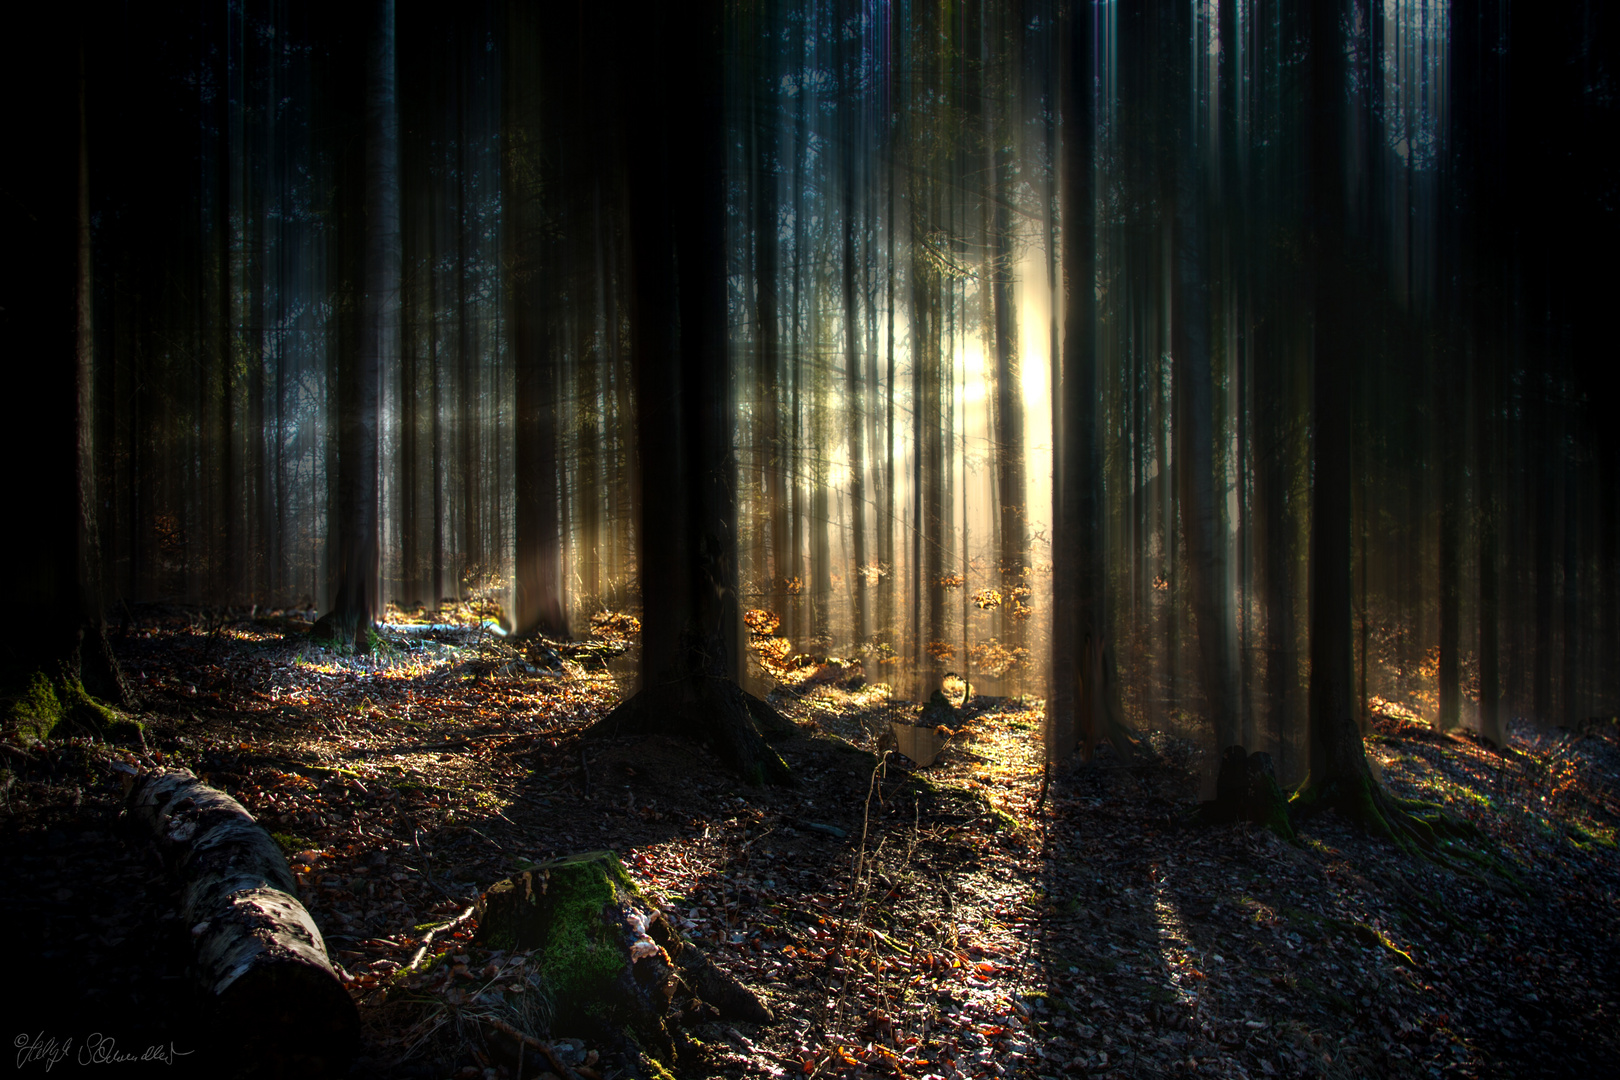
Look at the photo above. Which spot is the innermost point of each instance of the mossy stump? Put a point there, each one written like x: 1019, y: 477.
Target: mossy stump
x: 614, y: 966
x: 38, y: 710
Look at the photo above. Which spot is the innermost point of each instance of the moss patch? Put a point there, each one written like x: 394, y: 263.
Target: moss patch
x: 43, y: 705
x: 566, y: 909
x: 36, y: 711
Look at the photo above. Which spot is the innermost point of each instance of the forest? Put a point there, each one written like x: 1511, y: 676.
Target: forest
x: 813, y: 538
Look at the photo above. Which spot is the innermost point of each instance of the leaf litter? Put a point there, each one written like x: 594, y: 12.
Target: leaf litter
x: 936, y: 923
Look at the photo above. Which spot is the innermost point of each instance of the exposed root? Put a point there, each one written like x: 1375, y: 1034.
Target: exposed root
x: 1423, y: 829
x: 716, y: 712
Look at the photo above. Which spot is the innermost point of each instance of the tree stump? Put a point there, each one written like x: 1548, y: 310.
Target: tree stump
x: 1246, y: 789
x: 613, y: 965
x: 261, y: 965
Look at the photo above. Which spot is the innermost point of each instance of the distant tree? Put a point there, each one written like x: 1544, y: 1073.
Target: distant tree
x: 367, y: 339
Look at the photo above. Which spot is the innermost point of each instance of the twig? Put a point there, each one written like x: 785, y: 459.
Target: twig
x: 427, y: 939
x: 866, y: 820
x: 534, y: 1044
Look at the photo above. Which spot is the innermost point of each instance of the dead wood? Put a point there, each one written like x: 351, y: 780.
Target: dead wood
x: 260, y: 961
x: 610, y: 959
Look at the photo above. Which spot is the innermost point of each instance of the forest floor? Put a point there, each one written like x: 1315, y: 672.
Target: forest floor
x: 940, y: 922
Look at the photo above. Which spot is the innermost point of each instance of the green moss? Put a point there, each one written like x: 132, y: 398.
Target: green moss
x: 292, y: 844
x: 44, y: 705
x: 557, y: 908
x: 37, y: 711
x: 1586, y: 839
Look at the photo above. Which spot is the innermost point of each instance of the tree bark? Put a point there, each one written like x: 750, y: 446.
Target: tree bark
x: 691, y: 621
x: 357, y: 598
x: 530, y: 188
x: 260, y: 960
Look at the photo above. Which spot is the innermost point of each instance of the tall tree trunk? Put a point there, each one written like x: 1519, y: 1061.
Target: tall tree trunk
x: 1492, y: 725
x: 854, y: 404
x: 375, y: 341
x: 690, y: 619
x: 1339, y: 776
x: 1077, y: 512
x: 57, y: 625
x: 534, y: 284
x: 1012, y: 558
x: 1450, y: 482
x: 1194, y: 446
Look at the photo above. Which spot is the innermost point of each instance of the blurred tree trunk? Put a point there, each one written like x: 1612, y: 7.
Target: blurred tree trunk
x: 854, y: 403
x: 532, y: 189
x: 1451, y: 427
x: 691, y: 657
x: 1194, y: 437
x: 367, y: 347
x: 1012, y: 556
x: 1077, y: 531
x: 58, y: 625
x: 1339, y: 775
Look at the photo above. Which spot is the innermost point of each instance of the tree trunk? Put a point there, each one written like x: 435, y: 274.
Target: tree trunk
x: 1012, y: 558
x: 1450, y: 434
x: 1077, y: 557
x: 261, y: 964
x: 1194, y: 443
x: 690, y: 618
x: 535, y: 284
x: 58, y: 625
x: 854, y: 404
x: 374, y: 341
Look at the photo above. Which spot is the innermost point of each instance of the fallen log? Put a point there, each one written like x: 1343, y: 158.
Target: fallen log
x: 276, y: 1002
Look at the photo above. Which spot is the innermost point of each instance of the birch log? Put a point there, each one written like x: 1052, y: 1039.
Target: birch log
x: 260, y: 960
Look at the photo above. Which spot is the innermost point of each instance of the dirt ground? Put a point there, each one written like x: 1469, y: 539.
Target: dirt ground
x: 929, y: 923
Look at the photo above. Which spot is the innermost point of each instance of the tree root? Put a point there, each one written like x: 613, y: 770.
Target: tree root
x: 1423, y: 829
x: 734, y: 724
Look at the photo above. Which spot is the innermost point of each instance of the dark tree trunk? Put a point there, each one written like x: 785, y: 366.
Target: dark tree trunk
x: 1337, y: 756
x: 366, y: 349
x: 1450, y: 435
x: 1194, y: 441
x: 1339, y: 775
x: 688, y: 533
x: 58, y: 625
x: 1077, y: 535
x: 536, y: 281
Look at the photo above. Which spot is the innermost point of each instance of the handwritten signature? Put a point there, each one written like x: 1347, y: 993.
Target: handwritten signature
x: 96, y: 1049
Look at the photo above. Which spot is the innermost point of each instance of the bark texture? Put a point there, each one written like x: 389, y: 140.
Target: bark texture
x: 610, y: 959
x: 260, y: 961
